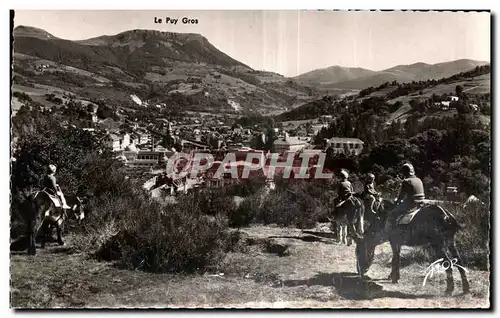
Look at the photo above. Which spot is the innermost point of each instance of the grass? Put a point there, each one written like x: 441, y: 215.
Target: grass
x: 315, y: 274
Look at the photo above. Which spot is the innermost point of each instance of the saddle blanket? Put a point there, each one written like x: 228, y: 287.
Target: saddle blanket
x: 407, y: 217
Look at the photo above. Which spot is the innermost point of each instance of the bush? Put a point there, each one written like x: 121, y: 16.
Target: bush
x: 122, y: 222
x: 289, y: 205
x: 23, y: 97
x: 246, y: 212
x: 213, y: 202
x: 141, y: 234
x: 473, y: 240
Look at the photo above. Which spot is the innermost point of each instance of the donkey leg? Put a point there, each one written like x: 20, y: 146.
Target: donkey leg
x: 339, y: 232
x: 44, y: 229
x: 344, y: 236
x: 347, y: 238
x: 31, y: 239
x: 454, y: 253
x: 59, y: 232
x: 396, y: 262
x: 441, y: 252
x: 351, y: 230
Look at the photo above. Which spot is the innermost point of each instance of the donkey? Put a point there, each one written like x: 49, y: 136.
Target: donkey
x: 45, y: 212
x: 432, y: 225
x: 349, y: 220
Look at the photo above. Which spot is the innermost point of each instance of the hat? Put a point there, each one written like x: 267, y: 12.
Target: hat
x: 344, y: 173
x: 408, y: 169
x: 52, y: 168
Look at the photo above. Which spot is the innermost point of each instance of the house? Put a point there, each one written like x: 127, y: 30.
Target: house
x: 454, y: 98
x: 348, y: 146
x: 136, y: 158
x: 290, y: 144
x: 445, y: 105
x: 474, y: 107
x: 124, y: 140
x: 325, y: 118
x: 114, y: 142
x: 193, y: 145
x: 140, y: 138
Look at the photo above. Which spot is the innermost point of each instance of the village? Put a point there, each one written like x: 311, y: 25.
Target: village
x: 145, y: 148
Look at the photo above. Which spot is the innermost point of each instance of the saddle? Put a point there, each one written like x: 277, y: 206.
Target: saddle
x: 343, y: 201
x: 407, y: 217
x: 54, y: 198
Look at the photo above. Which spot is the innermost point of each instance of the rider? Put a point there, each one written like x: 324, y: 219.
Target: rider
x: 412, y: 193
x: 345, y: 189
x: 369, y: 192
x: 52, y: 187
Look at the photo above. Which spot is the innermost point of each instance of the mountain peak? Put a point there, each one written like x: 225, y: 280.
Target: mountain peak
x: 29, y: 31
x: 143, y: 35
x: 332, y: 74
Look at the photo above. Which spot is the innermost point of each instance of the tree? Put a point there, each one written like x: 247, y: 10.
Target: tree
x: 83, y: 158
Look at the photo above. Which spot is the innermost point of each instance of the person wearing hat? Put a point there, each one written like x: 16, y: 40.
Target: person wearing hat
x: 369, y: 191
x: 345, y: 189
x: 51, y: 186
x: 411, y: 193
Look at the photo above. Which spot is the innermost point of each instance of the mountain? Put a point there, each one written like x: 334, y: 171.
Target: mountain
x: 409, y: 73
x: 332, y: 75
x: 136, y: 50
x: 395, y: 101
x: 152, y: 65
x: 32, y: 32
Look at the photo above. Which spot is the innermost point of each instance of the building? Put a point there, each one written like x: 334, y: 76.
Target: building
x: 140, y: 138
x: 290, y: 144
x: 114, y: 142
x: 347, y: 146
x: 124, y: 140
x: 325, y: 118
x: 136, y: 158
x: 445, y: 105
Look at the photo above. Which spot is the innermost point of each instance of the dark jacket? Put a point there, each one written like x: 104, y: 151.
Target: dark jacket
x: 345, y: 190
x: 412, y: 189
x: 49, y: 182
x: 370, y: 189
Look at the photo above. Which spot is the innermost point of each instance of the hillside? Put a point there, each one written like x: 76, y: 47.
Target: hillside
x: 409, y: 73
x: 152, y: 65
x: 32, y: 32
x: 398, y: 97
x: 332, y: 75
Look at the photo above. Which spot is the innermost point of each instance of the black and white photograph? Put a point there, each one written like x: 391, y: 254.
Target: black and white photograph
x: 259, y: 159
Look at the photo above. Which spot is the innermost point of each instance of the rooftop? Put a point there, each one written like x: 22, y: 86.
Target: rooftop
x: 292, y: 141
x: 345, y: 140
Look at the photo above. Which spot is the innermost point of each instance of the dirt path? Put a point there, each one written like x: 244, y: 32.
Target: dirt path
x: 313, y: 272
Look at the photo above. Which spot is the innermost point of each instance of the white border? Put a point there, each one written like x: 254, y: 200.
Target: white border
x: 199, y: 5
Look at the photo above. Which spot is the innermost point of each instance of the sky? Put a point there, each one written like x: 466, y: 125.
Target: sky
x: 294, y: 42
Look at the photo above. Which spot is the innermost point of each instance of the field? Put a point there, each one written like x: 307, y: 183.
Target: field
x: 314, y: 271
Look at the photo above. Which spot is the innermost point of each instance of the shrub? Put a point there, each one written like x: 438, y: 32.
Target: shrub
x: 246, y: 212
x: 141, y: 234
x: 473, y: 239
x: 296, y: 204
x: 213, y: 202
x: 23, y: 97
